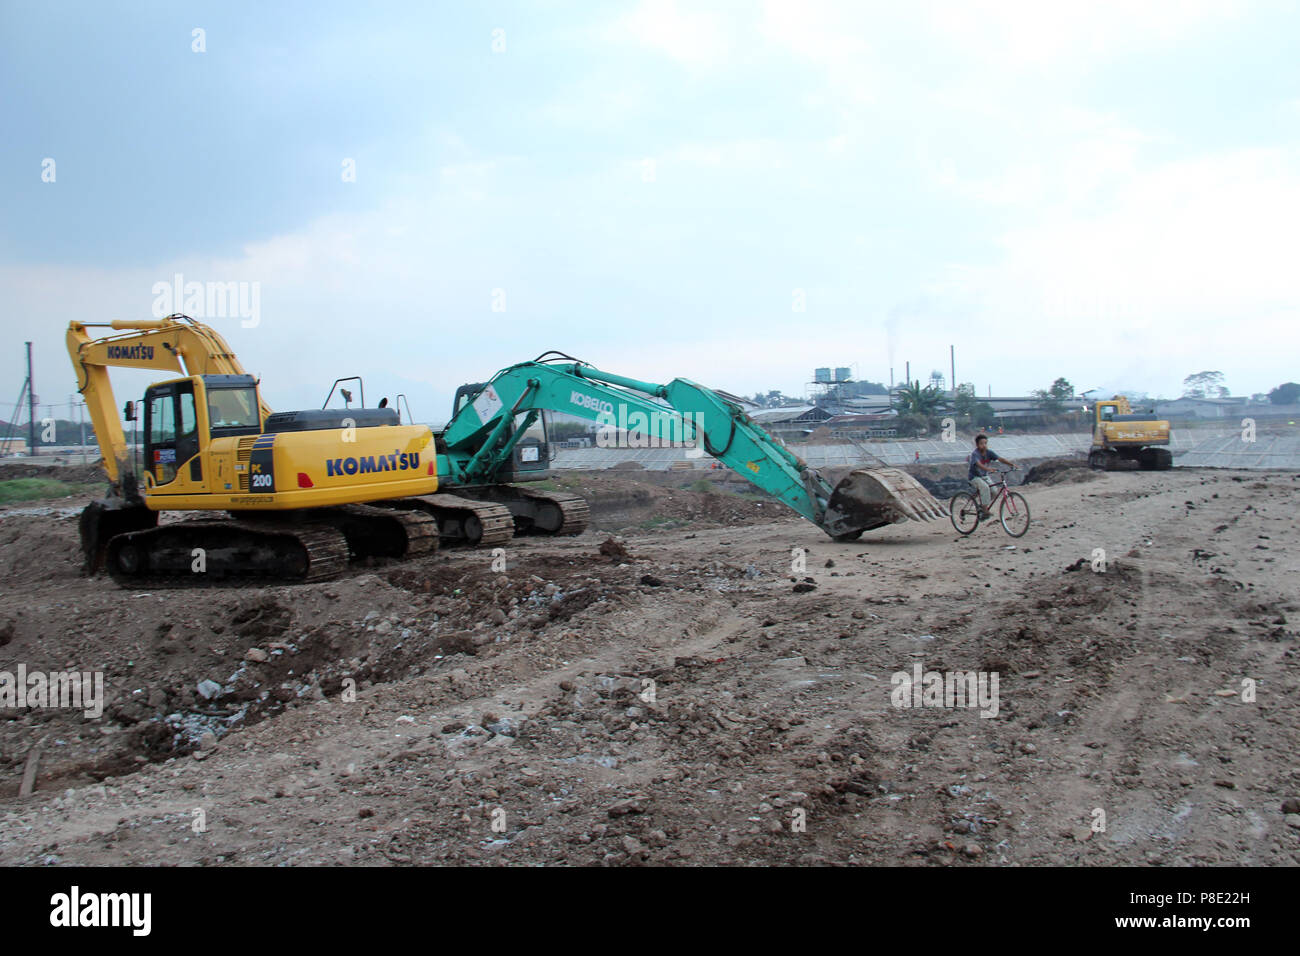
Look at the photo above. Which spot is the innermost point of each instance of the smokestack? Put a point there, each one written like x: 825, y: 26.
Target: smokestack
x: 909, y: 374
x: 952, y: 367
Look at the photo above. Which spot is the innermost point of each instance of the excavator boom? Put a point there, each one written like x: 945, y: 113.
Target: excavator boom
x: 479, y: 439
x: 173, y: 344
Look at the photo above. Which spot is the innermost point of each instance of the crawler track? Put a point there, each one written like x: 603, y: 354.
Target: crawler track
x: 536, y: 511
x: 318, y: 545
x: 462, y: 522
x: 258, y: 551
x: 188, y: 554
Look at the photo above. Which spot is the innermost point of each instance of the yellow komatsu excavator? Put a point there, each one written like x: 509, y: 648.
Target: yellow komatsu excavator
x: 211, y: 444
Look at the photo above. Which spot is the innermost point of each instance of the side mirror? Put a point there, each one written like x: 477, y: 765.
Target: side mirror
x: 128, y: 411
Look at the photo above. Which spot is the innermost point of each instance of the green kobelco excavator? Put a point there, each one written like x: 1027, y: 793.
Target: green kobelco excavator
x: 484, y: 453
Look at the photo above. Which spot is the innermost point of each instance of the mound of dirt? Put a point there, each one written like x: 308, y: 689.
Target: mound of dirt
x: 614, y: 550
x: 39, y: 549
x: 629, y: 504
x: 1060, y: 471
x: 72, y: 474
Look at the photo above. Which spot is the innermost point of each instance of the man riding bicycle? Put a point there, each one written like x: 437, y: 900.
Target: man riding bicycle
x: 981, y: 465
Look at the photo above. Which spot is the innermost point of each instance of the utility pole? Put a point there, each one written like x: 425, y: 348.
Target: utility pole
x: 31, y: 405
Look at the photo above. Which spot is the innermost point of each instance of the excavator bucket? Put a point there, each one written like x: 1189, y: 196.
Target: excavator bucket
x: 102, y: 520
x: 874, y: 497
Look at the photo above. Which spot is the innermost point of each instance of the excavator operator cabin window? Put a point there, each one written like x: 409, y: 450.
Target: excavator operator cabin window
x: 189, y: 422
x: 233, y: 408
x: 162, y: 419
x: 1107, y: 413
x: 161, y: 430
x: 187, y: 437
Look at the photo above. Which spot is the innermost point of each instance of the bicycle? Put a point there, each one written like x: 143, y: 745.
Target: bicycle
x: 1013, y: 509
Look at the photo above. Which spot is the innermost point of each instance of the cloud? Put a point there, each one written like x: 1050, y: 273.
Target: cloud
x: 831, y: 38
x: 1063, y: 158
x: 1197, y: 237
x: 684, y: 33
x: 1027, y: 34
x: 960, y: 172
x: 1186, y: 262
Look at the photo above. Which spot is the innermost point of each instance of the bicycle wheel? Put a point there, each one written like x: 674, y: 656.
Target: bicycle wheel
x: 964, y: 511
x: 1014, y: 514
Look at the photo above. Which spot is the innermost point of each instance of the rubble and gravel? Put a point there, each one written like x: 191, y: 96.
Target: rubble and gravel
x: 665, y: 693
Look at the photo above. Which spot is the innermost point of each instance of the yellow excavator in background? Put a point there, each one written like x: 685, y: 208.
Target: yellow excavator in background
x: 1125, y: 440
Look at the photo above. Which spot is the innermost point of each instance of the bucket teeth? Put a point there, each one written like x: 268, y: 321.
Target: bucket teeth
x: 874, y: 497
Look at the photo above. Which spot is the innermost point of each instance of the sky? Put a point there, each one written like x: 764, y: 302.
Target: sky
x: 733, y: 193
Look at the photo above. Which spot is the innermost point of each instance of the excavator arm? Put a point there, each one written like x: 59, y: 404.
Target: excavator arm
x: 481, y: 436
x: 176, y: 343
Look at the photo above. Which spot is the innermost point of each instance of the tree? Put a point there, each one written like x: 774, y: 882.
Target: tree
x: 970, y: 409
x: 1052, y: 400
x: 66, y: 431
x: 772, y: 399
x: 1288, y: 393
x: 910, y: 424
x: 1204, y: 385
x: 964, y: 400
x: 914, y: 400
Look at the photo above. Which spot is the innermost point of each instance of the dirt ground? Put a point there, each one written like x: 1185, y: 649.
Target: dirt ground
x: 712, y: 685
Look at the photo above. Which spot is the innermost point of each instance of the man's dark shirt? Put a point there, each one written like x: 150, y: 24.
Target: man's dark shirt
x: 976, y: 472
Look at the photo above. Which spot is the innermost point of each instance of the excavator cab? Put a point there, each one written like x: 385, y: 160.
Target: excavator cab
x: 466, y: 393
x: 530, y: 458
x: 182, y: 415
